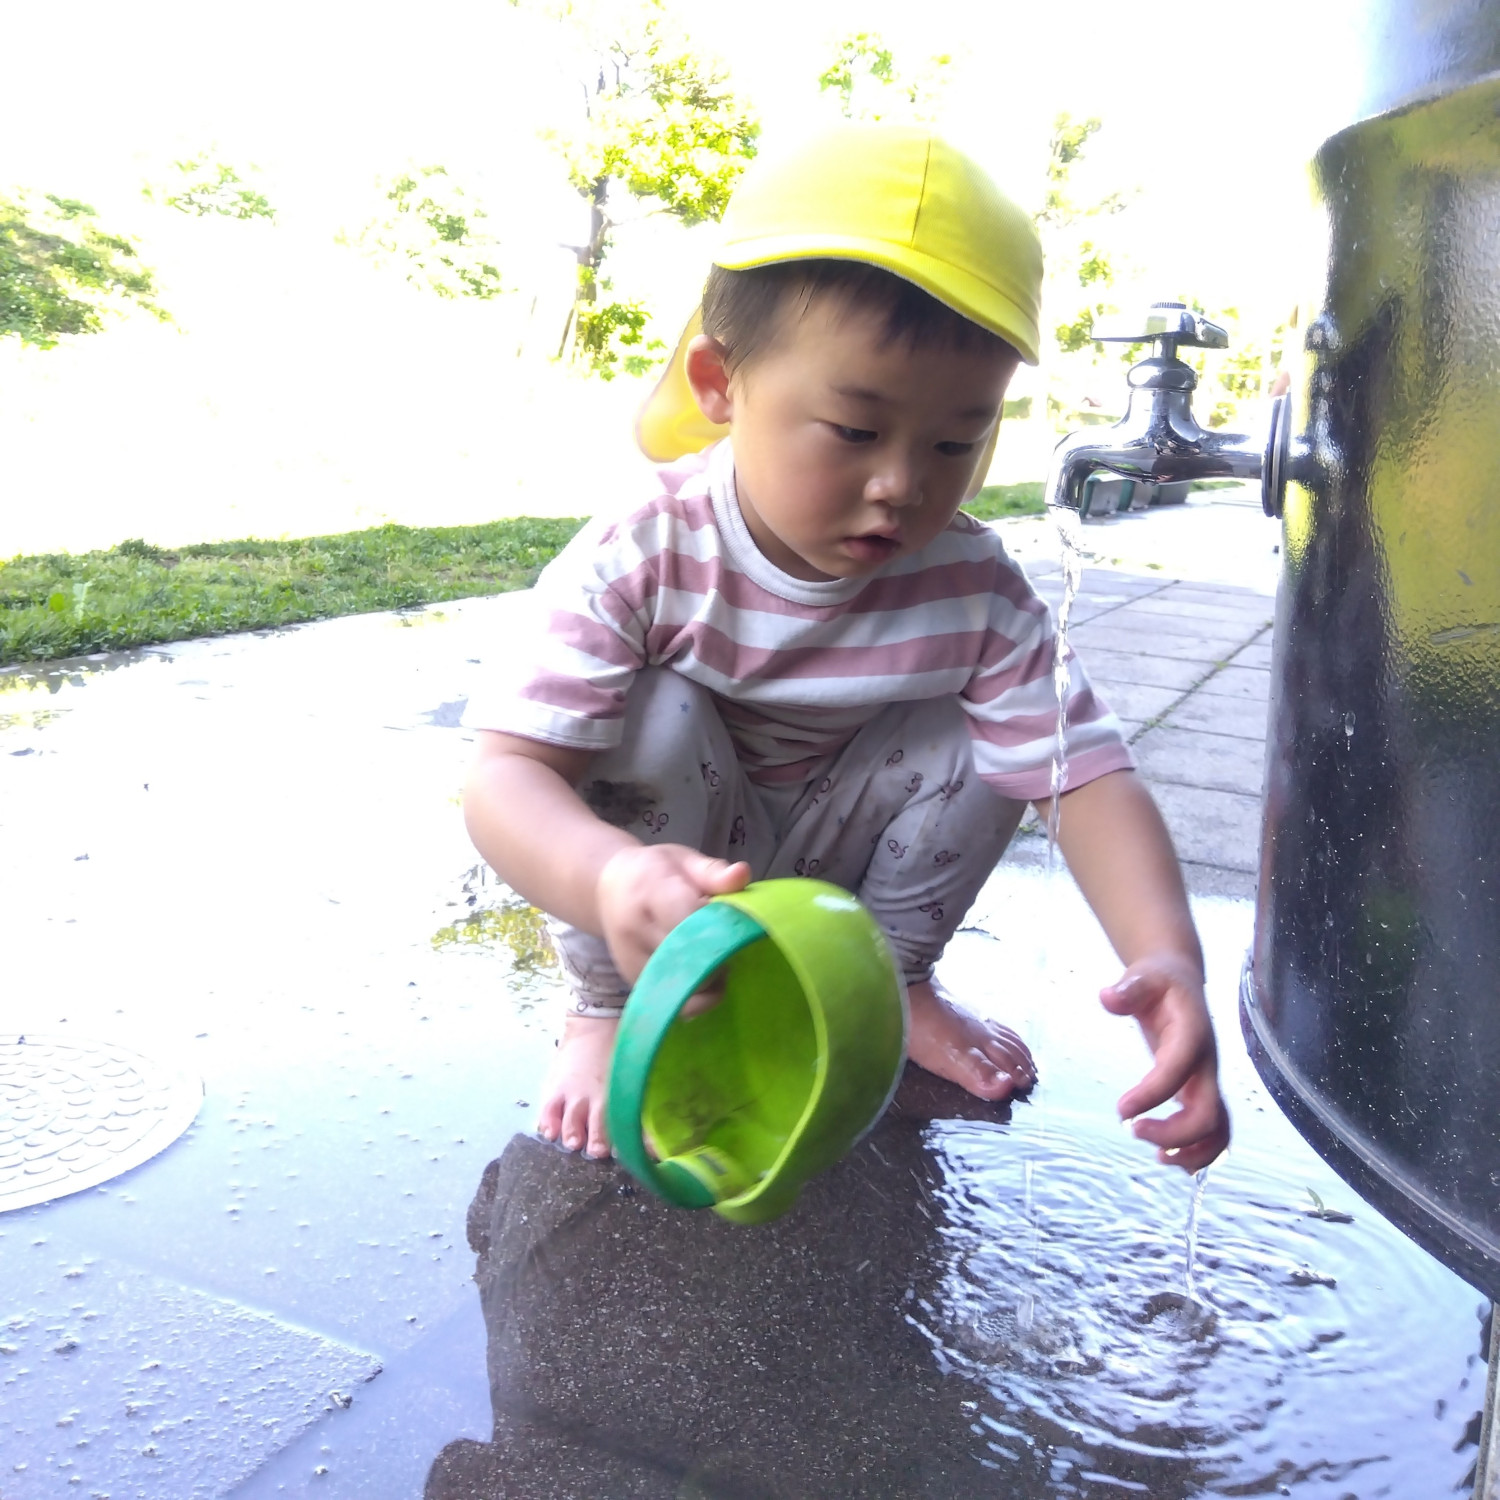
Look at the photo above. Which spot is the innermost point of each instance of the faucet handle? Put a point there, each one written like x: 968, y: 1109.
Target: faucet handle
x: 1172, y: 322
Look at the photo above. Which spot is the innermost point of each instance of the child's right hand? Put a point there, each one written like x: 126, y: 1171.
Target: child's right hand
x: 645, y: 891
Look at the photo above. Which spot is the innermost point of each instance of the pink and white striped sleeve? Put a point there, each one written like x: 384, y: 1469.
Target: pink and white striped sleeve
x: 567, y: 679
x: 1011, y: 701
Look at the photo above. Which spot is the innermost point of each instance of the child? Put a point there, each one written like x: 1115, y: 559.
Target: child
x: 799, y: 657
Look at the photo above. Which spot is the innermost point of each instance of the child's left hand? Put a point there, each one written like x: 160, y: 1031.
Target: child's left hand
x: 1164, y: 993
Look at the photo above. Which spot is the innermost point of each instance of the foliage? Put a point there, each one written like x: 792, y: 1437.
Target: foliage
x: 1065, y: 147
x: 211, y: 187
x: 431, y: 234
x: 1228, y: 377
x: 1071, y: 230
x: 611, y: 336
x: 661, y: 125
x: 995, y: 501
x: 869, y: 86
x: 58, y: 270
x: 60, y: 605
x: 1074, y: 258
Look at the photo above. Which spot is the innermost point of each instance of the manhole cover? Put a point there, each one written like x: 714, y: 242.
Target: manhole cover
x: 74, y: 1113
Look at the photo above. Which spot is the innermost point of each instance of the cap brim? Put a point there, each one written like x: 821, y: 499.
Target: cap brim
x: 954, y: 287
x: 669, y: 423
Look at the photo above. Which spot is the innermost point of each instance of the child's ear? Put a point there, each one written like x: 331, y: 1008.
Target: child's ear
x: 709, y: 378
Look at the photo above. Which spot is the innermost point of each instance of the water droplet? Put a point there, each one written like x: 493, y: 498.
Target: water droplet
x: 1348, y: 735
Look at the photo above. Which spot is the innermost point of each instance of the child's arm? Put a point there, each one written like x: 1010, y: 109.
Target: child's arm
x: 1119, y: 851
x: 540, y: 837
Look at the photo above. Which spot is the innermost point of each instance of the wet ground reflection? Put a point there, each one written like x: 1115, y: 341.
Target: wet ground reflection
x: 277, y: 890
x: 637, y: 1350
x: 1284, y: 1365
x: 905, y: 1333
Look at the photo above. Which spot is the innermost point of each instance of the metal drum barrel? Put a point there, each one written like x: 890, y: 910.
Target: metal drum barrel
x: 1371, y: 1000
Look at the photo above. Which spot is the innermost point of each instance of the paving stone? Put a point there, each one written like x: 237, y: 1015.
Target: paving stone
x: 1155, y: 623
x: 1135, y: 702
x: 1083, y: 609
x: 1253, y: 684
x: 1122, y: 585
x: 1224, y: 618
x: 1256, y: 654
x: 1211, y: 828
x: 1116, y: 632
x: 1210, y: 880
x: 1241, y: 717
x: 1193, y: 757
x: 1211, y: 591
x: 1113, y: 588
x: 1106, y: 667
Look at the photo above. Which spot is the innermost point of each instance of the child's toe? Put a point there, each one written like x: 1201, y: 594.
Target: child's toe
x: 575, y: 1122
x: 1011, y: 1055
x: 549, y: 1118
x: 598, y: 1135
x: 984, y: 1078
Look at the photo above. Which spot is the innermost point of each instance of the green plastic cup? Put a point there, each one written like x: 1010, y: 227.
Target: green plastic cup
x: 746, y: 1100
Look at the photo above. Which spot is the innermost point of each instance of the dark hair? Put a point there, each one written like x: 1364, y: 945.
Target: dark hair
x: 744, y: 309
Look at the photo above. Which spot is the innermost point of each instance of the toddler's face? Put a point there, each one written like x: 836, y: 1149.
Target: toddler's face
x: 849, y: 452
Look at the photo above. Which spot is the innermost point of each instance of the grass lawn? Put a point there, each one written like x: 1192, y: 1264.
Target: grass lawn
x: 995, y: 501
x: 137, y: 595
x: 60, y: 605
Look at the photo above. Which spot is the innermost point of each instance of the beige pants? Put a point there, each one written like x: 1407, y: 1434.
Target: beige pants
x: 899, y: 817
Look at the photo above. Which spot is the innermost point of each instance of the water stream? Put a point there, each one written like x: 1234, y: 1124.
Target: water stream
x: 1070, y: 536
x: 1069, y: 530
x: 1190, y: 1239
x: 1070, y: 539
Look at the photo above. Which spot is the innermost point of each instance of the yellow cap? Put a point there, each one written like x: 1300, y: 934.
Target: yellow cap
x: 892, y: 196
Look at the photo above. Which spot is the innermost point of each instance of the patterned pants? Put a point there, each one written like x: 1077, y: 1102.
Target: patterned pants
x: 900, y: 818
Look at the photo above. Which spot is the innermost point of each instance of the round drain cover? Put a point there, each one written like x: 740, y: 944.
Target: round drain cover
x: 74, y: 1113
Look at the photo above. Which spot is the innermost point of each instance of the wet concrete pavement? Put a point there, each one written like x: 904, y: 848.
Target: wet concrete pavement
x: 245, y: 856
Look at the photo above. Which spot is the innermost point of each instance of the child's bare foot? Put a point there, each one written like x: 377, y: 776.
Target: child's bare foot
x: 986, y: 1058
x: 572, y: 1111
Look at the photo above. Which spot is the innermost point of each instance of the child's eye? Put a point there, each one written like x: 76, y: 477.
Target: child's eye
x: 956, y: 450
x: 854, y: 434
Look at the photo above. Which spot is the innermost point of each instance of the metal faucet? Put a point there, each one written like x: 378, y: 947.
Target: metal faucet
x: 1158, y: 440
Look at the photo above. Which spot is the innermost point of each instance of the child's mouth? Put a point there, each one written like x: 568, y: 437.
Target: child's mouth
x: 871, y: 548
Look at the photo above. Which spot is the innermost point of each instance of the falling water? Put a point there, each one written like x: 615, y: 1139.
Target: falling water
x: 1191, y: 1240
x: 1026, y: 1306
x: 1070, y: 533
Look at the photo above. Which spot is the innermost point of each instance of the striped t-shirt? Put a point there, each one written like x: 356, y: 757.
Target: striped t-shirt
x: 797, y: 668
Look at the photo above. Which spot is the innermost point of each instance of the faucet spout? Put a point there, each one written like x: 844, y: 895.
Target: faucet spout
x: 1215, y: 455
x: 1158, y: 440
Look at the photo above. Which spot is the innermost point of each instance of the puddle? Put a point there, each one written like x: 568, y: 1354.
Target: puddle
x: 29, y: 700
x: 1293, y: 1370
x: 416, y: 614
x: 366, y: 1050
x: 898, y: 1335
x: 509, y: 935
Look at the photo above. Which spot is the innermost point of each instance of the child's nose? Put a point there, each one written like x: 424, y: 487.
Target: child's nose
x: 896, y: 482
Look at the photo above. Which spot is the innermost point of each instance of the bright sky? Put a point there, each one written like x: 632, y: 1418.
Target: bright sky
x: 1202, y: 100
x: 1209, y: 118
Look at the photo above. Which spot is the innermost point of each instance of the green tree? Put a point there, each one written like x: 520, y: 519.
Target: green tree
x: 59, y: 270
x: 1228, y: 377
x: 1068, y: 229
x: 211, y: 187
x: 661, y: 126
x: 430, y: 232
x: 865, y: 79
